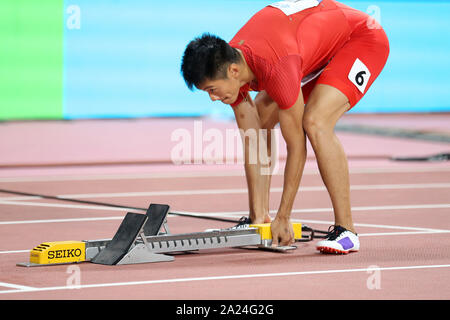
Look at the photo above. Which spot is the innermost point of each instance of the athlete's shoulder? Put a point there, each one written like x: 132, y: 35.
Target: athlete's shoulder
x: 263, y: 21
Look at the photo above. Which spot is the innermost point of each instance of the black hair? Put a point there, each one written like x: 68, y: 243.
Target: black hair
x: 207, y: 57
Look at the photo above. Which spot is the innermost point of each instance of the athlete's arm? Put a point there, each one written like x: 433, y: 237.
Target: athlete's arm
x: 292, y: 130
x: 249, y: 123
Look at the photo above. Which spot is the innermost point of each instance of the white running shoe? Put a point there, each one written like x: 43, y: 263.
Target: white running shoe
x: 339, y: 241
x: 244, y: 223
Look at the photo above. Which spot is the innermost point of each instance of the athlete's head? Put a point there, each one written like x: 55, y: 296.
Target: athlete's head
x: 212, y: 65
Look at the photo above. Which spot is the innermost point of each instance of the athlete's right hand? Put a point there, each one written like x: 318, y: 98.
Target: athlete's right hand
x: 282, y: 232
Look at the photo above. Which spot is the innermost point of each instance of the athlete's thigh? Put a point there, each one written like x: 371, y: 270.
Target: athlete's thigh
x: 357, y: 64
x: 267, y: 110
x: 348, y: 76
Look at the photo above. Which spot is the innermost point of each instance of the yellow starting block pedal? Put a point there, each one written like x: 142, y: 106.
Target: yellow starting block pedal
x: 266, y: 234
x: 61, y: 252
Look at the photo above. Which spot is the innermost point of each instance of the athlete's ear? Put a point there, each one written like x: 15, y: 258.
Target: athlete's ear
x: 233, y: 71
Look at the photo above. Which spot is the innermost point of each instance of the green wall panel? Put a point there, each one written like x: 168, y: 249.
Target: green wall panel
x: 31, y: 59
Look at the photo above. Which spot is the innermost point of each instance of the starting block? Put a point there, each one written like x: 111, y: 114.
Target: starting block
x: 144, y: 238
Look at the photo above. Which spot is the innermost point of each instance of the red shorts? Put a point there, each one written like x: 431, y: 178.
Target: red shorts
x: 356, y: 65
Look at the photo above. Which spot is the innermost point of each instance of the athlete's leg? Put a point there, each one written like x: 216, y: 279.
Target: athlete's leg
x: 340, y: 87
x: 324, y: 108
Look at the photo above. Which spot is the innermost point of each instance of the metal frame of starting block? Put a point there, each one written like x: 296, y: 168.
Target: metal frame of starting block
x: 141, y: 239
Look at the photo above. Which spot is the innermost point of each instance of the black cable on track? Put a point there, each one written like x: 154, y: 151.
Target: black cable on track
x: 111, y: 205
x: 305, y: 228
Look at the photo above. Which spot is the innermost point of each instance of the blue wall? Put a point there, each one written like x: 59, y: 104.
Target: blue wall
x: 123, y: 59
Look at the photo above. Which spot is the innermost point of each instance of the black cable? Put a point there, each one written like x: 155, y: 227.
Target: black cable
x: 312, y: 235
x: 394, y: 132
x: 112, y: 205
x: 432, y: 158
x: 305, y: 228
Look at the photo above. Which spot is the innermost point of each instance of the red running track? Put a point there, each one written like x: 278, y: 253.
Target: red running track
x: 401, y: 211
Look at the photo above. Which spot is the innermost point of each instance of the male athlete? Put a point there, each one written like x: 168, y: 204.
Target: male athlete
x: 311, y: 61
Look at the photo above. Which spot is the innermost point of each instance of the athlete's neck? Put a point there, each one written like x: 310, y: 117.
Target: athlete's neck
x: 247, y: 74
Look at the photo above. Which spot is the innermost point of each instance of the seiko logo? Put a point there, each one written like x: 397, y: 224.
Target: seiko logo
x: 69, y: 253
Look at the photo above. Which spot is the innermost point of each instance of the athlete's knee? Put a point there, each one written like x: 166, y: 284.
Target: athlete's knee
x: 315, y: 124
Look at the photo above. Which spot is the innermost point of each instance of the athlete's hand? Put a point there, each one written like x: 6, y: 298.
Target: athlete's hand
x: 282, y: 232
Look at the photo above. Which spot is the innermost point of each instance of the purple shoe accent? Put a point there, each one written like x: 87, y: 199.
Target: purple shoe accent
x: 346, y: 243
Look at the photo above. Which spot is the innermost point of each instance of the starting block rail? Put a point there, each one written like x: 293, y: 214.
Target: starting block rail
x: 140, y: 239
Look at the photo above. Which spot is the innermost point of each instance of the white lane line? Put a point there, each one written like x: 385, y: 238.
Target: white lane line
x: 230, y: 191
x: 310, y: 210
x: 409, y: 230
x: 403, y: 233
x: 66, y: 206
x: 245, y: 191
x: 130, y: 176
x: 318, y: 210
x: 372, y: 234
x: 14, y: 251
x: 19, y: 198
x: 61, y: 220
x: 379, y: 208
x: 400, y: 186
x: 380, y: 226
x: 208, y: 174
x: 230, y: 277
x: 230, y: 214
x: 15, y: 286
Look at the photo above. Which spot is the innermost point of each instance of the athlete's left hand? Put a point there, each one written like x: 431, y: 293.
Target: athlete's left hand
x: 282, y: 232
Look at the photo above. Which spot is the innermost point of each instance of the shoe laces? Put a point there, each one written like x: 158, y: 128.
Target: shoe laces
x: 243, y: 221
x: 334, y: 232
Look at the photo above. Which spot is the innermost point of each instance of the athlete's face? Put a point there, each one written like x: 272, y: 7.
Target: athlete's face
x: 225, y: 90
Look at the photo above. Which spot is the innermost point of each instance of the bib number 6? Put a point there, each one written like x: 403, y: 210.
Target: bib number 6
x: 360, y: 78
x: 359, y: 75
